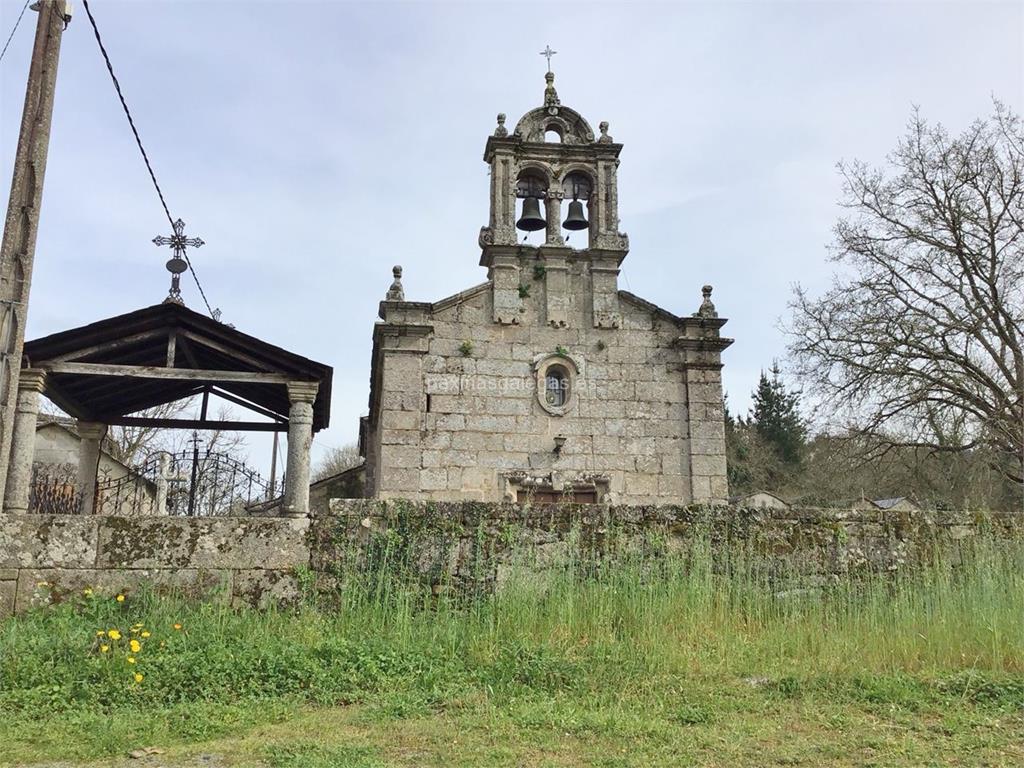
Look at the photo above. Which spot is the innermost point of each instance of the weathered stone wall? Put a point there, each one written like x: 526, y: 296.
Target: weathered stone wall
x: 460, y: 412
x: 258, y: 561
x: 464, y: 542
x: 238, y: 559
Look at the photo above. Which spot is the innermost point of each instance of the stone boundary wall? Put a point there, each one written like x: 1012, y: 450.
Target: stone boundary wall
x: 259, y: 560
x: 45, y: 558
x: 463, y: 542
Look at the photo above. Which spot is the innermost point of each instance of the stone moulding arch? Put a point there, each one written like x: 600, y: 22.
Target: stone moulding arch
x: 533, y: 167
x: 578, y: 168
x: 574, y: 128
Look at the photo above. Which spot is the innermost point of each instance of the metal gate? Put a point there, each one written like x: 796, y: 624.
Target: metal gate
x: 192, y: 482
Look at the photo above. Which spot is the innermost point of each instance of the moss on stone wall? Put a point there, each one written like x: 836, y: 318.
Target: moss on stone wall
x: 469, y: 546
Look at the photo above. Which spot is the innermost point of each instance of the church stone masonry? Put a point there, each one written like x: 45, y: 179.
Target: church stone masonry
x: 547, y: 382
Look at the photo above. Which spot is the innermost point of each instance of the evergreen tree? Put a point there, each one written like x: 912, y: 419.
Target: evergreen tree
x: 776, y: 418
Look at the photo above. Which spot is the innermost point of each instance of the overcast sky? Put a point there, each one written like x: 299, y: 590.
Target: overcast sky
x: 314, y: 145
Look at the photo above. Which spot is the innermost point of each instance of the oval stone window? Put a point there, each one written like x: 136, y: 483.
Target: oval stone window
x: 556, y: 386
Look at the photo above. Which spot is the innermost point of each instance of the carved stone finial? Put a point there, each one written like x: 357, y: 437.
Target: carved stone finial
x: 396, y: 292
x: 501, y: 130
x: 550, y: 94
x: 605, y: 138
x: 707, y: 307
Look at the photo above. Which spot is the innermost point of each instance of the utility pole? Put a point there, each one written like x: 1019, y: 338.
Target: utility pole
x: 18, y: 248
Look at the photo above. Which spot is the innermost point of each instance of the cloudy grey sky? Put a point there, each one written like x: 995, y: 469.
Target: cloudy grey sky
x: 315, y: 144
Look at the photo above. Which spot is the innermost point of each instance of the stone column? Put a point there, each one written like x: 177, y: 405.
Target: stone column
x: 553, y: 209
x: 19, y: 472
x: 161, y: 484
x: 301, y: 395
x: 91, y: 434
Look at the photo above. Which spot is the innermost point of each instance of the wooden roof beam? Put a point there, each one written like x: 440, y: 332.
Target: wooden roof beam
x: 169, y: 374
x: 231, y: 426
x: 112, y: 345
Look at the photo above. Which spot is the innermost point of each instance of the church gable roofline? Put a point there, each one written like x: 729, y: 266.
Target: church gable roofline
x: 654, y: 309
x: 408, y: 312
x: 461, y: 296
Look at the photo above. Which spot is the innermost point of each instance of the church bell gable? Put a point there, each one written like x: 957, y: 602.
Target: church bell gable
x: 553, y: 202
x: 546, y: 382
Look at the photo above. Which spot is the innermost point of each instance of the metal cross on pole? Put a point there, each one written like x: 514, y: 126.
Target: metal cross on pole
x: 547, y: 52
x: 177, y: 263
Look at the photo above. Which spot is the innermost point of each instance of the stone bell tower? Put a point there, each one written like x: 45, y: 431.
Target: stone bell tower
x: 553, y: 157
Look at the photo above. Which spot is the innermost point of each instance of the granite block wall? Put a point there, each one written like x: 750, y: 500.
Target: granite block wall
x: 259, y: 560
x: 251, y: 560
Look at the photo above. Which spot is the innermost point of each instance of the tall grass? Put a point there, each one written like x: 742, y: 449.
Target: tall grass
x: 673, y: 611
x: 588, y: 625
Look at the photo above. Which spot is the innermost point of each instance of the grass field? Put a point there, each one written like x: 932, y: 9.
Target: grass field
x: 643, y: 662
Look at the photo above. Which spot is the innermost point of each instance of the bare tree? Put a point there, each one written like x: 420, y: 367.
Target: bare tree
x: 337, y: 460
x: 131, y: 445
x: 918, y: 343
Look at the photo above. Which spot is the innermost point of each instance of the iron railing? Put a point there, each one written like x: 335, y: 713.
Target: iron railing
x: 192, y: 482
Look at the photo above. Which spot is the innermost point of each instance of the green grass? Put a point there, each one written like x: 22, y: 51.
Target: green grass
x: 647, y: 658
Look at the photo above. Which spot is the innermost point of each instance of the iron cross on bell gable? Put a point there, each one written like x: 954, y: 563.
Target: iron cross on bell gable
x: 548, y: 53
x: 178, y: 263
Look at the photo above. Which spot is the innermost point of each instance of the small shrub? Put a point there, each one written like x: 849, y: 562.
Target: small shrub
x: 691, y: 713
x: 308, y: 754
x: 788, y: 687
x: 466, y: 348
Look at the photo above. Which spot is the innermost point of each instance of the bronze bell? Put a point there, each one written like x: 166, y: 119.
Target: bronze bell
x: 531, y: 220
x: 576, y: 219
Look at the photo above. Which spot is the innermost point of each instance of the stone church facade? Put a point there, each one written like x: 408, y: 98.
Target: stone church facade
x: 546, y: 381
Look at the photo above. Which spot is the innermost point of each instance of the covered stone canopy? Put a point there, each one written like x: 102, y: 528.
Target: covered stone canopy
x: 103, y: 372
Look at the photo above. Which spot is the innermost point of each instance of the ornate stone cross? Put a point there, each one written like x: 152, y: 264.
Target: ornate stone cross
x: 177, y: 264
x: 547, y: 52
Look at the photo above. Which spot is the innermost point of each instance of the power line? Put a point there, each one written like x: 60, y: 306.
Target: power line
x: 15, y: 29
x: 142, y: 149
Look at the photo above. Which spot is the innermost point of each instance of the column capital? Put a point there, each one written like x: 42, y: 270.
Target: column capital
x: 90, y: 430
x: 31, y: 379
x: 302, y: 391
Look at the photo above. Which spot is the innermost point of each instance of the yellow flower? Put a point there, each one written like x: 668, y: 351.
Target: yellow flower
x: 135, y: 646
x: 136, y: 627
x: 87, y: 592
x: 113, y: 634
x: 138, y: 677
x: 130, y: 659
x: 104, y: 648
x: 100, y: 633
x: 42, y: 583
x: 145, y: 634
x: 177, y: 627
x: 120, y: 598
